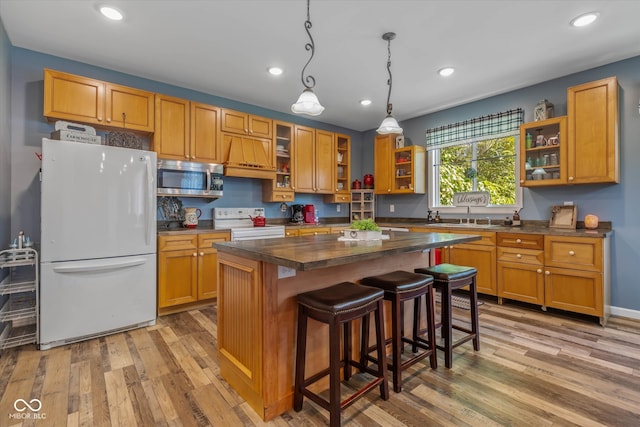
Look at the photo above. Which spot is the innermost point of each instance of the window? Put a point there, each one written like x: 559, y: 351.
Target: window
x: 476, y: 155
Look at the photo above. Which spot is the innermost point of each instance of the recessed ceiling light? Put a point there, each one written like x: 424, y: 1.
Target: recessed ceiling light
x: 276, y: 71
x: 111, y: 13
x: 585, y: 19
x: 365, y: 102
x: 446, y: 71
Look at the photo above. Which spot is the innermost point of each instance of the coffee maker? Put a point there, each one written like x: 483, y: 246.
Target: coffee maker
x: 309, y: 213
x: 297, y: 215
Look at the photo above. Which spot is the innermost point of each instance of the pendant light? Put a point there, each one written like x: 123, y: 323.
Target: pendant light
x: 308, y: 102
x: 389, y: 124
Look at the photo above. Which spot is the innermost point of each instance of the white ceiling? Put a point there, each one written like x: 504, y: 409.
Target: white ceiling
x: 224, y: 47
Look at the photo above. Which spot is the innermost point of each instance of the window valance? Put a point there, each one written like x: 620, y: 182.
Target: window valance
x: 496, y: 125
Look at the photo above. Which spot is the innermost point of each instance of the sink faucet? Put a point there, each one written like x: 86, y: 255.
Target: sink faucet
x: 489, y: 220
x: 468, y: 214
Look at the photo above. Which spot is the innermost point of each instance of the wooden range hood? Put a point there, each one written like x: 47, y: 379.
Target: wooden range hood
x: 248, y: 158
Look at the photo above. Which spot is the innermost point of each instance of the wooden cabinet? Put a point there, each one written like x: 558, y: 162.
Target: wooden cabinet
x: 577, y: 275
x: 593, y: 122
x: 580, y: 148
x: 362, y: 205
x: 398, y: 170
x: 94, y: 102
x: 187, y: 269
x: 246, y: 124
x: 342, y: 178
x: 520, y: 267
x: 280, y: 189
x: 186, y: 130
x: 246, y: 145
x: 313, y: 161
x: 543, y: 147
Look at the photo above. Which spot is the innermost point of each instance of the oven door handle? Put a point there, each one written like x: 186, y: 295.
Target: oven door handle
x: 208, y: 189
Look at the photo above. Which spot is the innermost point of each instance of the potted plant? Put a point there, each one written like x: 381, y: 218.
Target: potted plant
x: 364, y: 229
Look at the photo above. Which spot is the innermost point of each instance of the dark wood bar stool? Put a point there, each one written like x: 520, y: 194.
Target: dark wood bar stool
x: 337, y: 306
x: 400, y: 286
x: 448, y: 278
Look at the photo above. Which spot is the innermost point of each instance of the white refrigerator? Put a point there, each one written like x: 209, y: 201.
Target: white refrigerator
x: 98, y: 242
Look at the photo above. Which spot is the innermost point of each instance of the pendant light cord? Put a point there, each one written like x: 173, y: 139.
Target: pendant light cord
x: 309, y: 46
x: 388, y: 37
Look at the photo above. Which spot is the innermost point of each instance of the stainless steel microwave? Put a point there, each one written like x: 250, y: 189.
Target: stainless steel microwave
x: 189, y: 179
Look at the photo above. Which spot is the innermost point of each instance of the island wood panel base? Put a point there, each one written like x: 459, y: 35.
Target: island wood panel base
x: 257, y: 315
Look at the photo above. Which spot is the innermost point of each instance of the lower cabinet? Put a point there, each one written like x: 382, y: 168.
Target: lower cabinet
x: 564, y: 272
x: 187, y: 269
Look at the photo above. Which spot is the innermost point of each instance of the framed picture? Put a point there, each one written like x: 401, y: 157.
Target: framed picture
x: 563, y: 217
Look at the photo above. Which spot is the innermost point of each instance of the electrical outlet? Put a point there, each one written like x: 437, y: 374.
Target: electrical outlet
x: 568, y: 203
x: 337, y: 208
x: 392, y: 208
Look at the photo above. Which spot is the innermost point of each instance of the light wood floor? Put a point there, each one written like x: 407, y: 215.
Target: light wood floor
x: 533, y: 369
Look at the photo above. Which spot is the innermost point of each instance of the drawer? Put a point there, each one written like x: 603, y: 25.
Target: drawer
x: 579, y: 253
x: 177, y: 242
x: 284, y: 195
x: 524, y: 256
x: 520, y: 240
x: 338, y: 198
x: 206, y: 241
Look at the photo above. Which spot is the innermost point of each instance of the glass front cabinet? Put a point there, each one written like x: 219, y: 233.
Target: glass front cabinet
x: 543, y: 152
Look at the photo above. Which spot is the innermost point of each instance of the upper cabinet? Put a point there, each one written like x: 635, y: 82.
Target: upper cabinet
x: 246, y: 143
x: 280, y: 189
x: 398, y: 170
x: 94, y: 102
x: 314, y: 161
x: 580, y: 148
x: 246, y: 124
x: 593, y: 132
x: 342, y: 178
x: 543, y: 148
x: 186, y: 130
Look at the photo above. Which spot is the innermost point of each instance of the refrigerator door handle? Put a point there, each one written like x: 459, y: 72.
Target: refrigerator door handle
x: 102, y: 265
x: 150, y: 199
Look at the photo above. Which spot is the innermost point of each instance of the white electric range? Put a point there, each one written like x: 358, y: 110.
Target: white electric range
x: 239, y: 222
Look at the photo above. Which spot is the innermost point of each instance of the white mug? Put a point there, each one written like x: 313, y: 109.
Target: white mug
x: 191, y: 216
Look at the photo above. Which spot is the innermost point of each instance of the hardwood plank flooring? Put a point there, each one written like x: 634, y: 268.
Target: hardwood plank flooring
x: 534, y: 368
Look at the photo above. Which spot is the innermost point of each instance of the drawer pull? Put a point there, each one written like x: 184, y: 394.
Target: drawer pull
x: 201, y: 253
x: 195, y: 254
x: 518, y: 241
x: 548, y: 273
x: 539, y: 271
x: 518, y: 256
x: 572, y: 253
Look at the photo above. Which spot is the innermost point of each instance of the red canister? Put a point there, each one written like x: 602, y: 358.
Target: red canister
x: 368, y: 181
x: 356, y: 185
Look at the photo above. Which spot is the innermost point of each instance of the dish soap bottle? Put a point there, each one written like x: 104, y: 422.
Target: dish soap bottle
x: 516, y: 219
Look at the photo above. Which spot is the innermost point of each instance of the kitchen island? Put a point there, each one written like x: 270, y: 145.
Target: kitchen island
x: 258, y: 281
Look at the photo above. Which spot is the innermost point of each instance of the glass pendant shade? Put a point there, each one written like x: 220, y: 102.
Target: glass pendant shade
x: 389, y: 125
x: 308, y: 104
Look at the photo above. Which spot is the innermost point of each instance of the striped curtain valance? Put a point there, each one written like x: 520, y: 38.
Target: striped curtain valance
x: 495, y: 125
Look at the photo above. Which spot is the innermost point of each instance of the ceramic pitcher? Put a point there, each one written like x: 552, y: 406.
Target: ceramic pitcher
x: 191, y: 216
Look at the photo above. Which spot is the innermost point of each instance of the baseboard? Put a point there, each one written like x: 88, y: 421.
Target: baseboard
x: 625, y: 312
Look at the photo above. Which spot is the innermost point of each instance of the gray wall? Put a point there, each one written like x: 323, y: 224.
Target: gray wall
x: 5, y: 139
x: 616, y: 203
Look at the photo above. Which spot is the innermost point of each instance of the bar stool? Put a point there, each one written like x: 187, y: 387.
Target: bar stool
x: 447, y: 278
x: 400, y: 286
x: 337, y: 306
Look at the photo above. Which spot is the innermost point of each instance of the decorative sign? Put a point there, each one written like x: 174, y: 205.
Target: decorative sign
x: 471, y: 198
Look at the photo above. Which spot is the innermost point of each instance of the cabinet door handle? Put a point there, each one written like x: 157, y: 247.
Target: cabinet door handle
x: 315, y: 233
x: 195, y: 254
x: 518, y: 241
x: 99, y: 118
x: 522, y: 181
x: 570, y: 178
x: 547, y: 273
x: 539, y: 271
x: 572, y: 253
x: 201, y: 253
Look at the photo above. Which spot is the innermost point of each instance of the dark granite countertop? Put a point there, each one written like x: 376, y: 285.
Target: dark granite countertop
x: 322, y: 251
